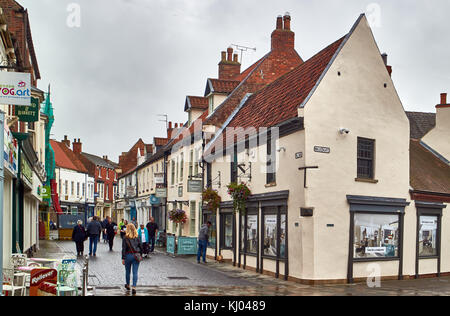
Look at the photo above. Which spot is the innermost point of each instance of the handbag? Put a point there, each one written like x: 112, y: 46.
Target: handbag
x: 136, y: 255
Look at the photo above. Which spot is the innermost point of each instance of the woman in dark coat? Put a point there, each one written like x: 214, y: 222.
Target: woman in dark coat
x: 79, y: 236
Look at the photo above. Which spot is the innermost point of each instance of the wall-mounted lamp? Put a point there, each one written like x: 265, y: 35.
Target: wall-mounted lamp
x: 281, y: 149
x: 343, y: 131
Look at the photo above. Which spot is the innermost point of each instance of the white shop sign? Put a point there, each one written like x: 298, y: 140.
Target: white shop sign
x: 375, y: 250
x: 15, y: 88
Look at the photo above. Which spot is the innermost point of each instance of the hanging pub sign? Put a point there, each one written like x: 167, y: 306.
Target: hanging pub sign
x: 46, y: 192
x: 15, y: 88
x: 159, y: 178
x: 195, y: 186
x: 154, y: 200
x: 29, y: 113
x: 161, y: 192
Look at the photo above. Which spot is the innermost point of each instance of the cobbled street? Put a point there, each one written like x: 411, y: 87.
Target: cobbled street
x: 162, y: 275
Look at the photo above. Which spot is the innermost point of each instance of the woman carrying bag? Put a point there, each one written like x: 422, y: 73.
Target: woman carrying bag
x: 131, y: 256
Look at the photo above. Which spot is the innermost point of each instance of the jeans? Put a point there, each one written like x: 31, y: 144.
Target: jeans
x: 202, y: 245
x: 131, y: 262
x: 152, y: 243
x: 93, y: 240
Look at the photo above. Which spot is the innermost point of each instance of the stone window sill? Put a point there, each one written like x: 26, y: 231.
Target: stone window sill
x: 366, y: 180
x: 270, y: 185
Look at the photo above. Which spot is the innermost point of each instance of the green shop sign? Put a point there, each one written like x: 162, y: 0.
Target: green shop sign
x: 27, y: 172
x: 187, y: 246
x: 28, y: 113
x: 171, y: 244
x: 46, y: 192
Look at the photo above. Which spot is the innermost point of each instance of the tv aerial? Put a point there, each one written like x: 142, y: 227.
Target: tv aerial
x: 243, y: 49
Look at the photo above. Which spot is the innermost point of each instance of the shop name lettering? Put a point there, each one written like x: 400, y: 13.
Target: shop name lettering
x: 41, y: 277
x: 7, y: 90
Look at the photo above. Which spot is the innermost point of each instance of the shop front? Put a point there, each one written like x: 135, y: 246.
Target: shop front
x: 257, y: 239
x: 376, y: 233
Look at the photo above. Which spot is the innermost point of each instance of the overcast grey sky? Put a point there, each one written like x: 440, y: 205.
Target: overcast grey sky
x: 131, y: 60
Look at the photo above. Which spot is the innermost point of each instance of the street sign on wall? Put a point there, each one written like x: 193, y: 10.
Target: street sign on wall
x: 161, y: 192
x: 15, y: 88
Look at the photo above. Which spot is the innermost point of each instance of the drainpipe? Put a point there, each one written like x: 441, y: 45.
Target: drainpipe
x: 2, y: 174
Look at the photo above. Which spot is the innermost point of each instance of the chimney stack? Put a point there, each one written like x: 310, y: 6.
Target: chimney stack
x: 443, y: 114
x: 229, y: 66
x: 169, y: 131
x: 443, y: 99
x: 283, y: 39
x: 66, y: 141
x: 385, y: 60
x: 77, y: 147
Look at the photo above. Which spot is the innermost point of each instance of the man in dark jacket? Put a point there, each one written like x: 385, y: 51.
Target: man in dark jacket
x: 79, y: 236
x: 203, y: 240
x: 94, y: 229
x: 110, y: 231
x: 152, y: 228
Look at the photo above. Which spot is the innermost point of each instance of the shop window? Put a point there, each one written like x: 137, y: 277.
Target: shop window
x: 234, y: 167
x: 274, y: 232
x: 251, y: 234
x: 428, y: 229
x: 270, y: 235
x: 227, y: 230
x: 376, y: 236
x: 212, y: 230
x: 366, y: 154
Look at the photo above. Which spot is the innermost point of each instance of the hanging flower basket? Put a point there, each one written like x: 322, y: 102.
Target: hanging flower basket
x: 240, y: 194
x: 178, y: 216
x: 212, y: 199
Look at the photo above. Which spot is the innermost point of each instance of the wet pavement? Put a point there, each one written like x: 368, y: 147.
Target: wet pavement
x: 163, y: 275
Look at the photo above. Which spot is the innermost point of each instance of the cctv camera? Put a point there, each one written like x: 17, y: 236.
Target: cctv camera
x: 344, y: 131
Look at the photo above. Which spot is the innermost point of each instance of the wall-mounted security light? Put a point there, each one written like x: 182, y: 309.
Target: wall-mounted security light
x: 344, y: 131
x: 281, y: 149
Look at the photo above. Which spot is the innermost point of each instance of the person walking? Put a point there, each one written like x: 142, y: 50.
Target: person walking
x: 123, y: 228
x: 104, y: 222
x: 152, y: 228
x: 94, y: 230
x: 203, y: 241
x: 110, y: 232
x: 79, y: 236
x: 131, y: 256
x: 143, y: 238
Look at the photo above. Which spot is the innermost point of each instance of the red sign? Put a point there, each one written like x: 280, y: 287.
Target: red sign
x: 39, y: 276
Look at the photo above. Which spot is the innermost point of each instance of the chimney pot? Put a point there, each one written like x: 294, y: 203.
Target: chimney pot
x: 176, y: 125
x: 443, y: 98
x: 279, y: 22
x: 235, y: 58
x: 230, y: 54
x: 385, y: 56
x: 287, y: 21
x: 170, y: 125
x: 224, y: 56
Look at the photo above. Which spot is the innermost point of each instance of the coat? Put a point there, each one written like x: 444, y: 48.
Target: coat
x: 79, y: 234
x: 140, y: 234
x: 94, y: 228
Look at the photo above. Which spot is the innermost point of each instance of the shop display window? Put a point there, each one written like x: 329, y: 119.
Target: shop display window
x: 227, y: 229
x: 376, y: 236
x: 212, y: 231
x: 270, y: 235
x: 252, y: 234
x: 428, y: 228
